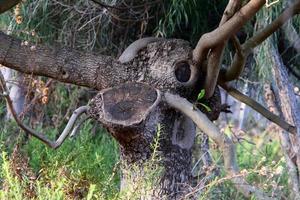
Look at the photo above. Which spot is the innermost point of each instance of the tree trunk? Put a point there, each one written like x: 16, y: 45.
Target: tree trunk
x: 132, y: 112
x: 17, y: 91
x: 290, y: 112
x: 130, y: 103
x: 171, y: 167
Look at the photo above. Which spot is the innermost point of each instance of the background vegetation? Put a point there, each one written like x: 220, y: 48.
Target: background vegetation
x: 86, y: 167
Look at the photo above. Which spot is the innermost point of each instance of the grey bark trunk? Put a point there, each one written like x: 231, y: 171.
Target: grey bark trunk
x: 167, y: 167
x: 171, y: 178
x: 126, y: 100
x: 290, y: 111
x: 17, y: 91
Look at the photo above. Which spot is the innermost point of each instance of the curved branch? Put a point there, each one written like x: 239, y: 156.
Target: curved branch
x: 224, y: 142
x: 77, y: 127
x: 63, y: 64
x: 53, y: 144
x: 131, y: 51
x: 259, y: 108
x: 216, y: 54
x: 238, y: 63
x: 224, y: 32
x: 259, y: 37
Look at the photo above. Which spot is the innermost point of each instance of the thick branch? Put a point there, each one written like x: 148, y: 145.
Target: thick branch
x: 238, y: 62
x: 7, y: 4
x: 259, y: 108
x: 224, y: 32
x: 66, y: 65
x: 216, y: 54
x: 259, y: 37
x: 224, y: 142
x: 237, y: 65
x: 53, y: 144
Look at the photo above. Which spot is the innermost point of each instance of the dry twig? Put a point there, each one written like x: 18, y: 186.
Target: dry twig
x: 53, y: 144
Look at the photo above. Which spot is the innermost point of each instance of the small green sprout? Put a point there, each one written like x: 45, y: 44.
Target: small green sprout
x: 199, y: 97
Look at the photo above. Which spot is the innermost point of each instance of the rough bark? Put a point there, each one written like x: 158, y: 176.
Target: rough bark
x: 285, y: 142
x: 63, y: 64
x: 287, y: 99
x: 99, y: 71
x: 137, y: 136
x: 128, y: 114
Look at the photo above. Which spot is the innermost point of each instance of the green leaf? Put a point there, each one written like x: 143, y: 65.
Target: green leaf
x: 201, y: 95
x: 206, y: 107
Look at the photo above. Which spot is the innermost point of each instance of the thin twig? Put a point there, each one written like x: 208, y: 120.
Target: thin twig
x: 53, y: 144
x: 77, y: 127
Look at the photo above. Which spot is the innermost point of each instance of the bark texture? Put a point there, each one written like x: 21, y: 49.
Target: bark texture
x: 137, y: 136
x: 161, y: 66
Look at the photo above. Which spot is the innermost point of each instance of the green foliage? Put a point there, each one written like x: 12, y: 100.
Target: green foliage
x: 80, y: 167
x: 199, y: 99
x: 201, y: 95
x: 263, y: 166
x: 142, y: 182
x: 264, y: 17
x: 189, y: 19
x: 15, y: 188
x: 88, y: 165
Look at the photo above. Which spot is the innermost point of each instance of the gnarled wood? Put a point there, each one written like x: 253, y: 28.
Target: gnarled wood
x: 135, y: 128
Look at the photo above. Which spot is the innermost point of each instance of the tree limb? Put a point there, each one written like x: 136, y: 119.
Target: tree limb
x: 215, y: 56
x: 224, y: 32
x: 259, y: 37
x: 259, y: 108
x: 224, y: 142
x: 53, y: 144
x: 238, y: 63
x: 77, y: 127
x: 63, y: 64
x: 7, y: 4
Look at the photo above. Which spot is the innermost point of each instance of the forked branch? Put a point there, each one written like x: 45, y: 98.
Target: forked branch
x: 222, y: 140
x: 224, y: 32
x: 239, y: 59
x: 53, y: 144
